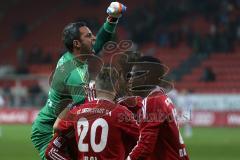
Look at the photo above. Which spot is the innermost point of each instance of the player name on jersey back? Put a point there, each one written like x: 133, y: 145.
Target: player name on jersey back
x: 94, y: 111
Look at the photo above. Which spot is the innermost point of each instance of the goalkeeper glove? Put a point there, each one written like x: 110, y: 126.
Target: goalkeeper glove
x: 116, y: 9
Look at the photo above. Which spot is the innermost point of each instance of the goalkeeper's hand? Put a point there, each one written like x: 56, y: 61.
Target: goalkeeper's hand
x: 116, y: 9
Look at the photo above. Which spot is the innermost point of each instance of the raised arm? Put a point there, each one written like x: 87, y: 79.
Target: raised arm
x: 107, y: 31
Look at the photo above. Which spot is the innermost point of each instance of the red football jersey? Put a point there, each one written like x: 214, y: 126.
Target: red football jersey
x: 160, y: 138
x: 100, y: 129
x: 133, y: 103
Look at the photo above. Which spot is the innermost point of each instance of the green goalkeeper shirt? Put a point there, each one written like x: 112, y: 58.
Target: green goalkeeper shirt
x: 67, y: 83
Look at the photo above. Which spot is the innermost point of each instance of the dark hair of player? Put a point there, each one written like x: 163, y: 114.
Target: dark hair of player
x: 71, y: 32
x: 149, y: 59
x: 160, y: 68
x: 133, y: 56
x: 155, y: 75
x: 106, y: 79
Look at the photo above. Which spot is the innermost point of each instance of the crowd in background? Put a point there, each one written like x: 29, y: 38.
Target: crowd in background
x: 22, y: 96
x: 169, y: 23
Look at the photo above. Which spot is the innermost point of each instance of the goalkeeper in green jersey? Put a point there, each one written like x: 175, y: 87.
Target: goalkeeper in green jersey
x: 71, y: 73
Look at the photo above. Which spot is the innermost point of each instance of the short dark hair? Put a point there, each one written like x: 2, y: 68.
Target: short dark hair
x: 106, y: 79
x: 133, y: 56
x: 70, y: 33
x: 161, y: 68
x: 149, y: 59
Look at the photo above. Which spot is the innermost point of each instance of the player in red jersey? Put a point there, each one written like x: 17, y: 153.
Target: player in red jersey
x: 122, y: 63
x: 99, y: 126
x: 159, y: 138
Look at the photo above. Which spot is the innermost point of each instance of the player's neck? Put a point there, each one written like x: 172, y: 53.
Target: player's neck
x: 77, y: 54
x: 106, y: 96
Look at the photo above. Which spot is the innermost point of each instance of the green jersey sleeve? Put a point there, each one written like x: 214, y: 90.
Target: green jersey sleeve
x: 104, y: 35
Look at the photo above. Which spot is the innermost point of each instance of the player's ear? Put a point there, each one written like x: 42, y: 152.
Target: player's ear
x: 76, y: 43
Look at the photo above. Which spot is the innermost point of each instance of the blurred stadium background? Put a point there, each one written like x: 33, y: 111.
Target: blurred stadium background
x: 198, y: 40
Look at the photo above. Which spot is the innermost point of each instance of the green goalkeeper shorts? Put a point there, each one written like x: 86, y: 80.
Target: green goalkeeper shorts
x: 41, y: 139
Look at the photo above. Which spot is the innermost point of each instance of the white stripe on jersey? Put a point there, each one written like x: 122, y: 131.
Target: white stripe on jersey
x: 144, y: 108
x: 53, y: 154
x: 91, y: 91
